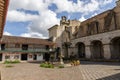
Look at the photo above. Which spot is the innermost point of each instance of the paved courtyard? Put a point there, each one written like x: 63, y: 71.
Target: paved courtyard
x: 86, y: 71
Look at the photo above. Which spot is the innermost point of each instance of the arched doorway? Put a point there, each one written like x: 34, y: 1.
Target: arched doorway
x: 80, y: 49
x: 115, y: 48
x: 97, y: 49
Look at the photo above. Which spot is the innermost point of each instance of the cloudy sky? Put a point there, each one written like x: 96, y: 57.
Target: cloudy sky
x: 32, y: 18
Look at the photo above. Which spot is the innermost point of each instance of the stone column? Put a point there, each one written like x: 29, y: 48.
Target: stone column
x: 107, y: 53
x: 76, y: 51
x: 87, y: 52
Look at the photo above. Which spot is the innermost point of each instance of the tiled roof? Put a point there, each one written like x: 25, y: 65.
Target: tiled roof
x: 3, y: 12
x: 25, y: 40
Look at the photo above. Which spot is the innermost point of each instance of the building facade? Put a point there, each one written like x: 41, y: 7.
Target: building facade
x: 25, y: 49
x: 94, y: 38
x: 62, y: 34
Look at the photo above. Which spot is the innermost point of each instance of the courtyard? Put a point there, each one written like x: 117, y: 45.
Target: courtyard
x: 85, y: 71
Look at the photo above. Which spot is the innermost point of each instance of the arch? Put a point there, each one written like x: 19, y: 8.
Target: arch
x: 80, y: 49
x: 115, y: 48
x: 97, y: 49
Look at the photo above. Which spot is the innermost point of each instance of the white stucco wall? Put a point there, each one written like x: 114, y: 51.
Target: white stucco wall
x: 40, y: 57
x: 30, y: 57
x: 12, y: 56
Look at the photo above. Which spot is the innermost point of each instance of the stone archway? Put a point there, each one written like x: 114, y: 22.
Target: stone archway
x: 80, y: 50
x: 115, y: 48
x: 97, y: 49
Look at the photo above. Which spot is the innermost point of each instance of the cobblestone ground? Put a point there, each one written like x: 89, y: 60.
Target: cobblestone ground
x: 86, y: 71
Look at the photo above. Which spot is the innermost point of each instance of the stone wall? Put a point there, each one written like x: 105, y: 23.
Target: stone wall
x: 101, y: 28
x: 105, y: 38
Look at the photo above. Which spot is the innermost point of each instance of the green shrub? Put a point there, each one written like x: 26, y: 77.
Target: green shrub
x: 16, y: 61
x: 61, y: 66
x: 8, y: 66
x: 42, y: 65
x: 11, y: 62
x: 7, y: 62
x: 47, y: 65
x: 50, y: 66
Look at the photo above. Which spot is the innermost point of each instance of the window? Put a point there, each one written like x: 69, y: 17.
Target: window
x: 7, y: 57
x: 89, y: 29
x: 17, y: 45
x: 24, y: 47
x: 47, y: 47
x: 97, y: 27
x: 30, y: 56
x: 16, y: 57
x: 2, y: 46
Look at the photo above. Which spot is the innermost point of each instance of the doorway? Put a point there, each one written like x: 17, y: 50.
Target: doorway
x: 47, y: 56
x: 35, y: 57
x: 0, y: 57
x: 80, y: 49
x: 24, y: 56
x: 115, y: 48
x: 97, y: 49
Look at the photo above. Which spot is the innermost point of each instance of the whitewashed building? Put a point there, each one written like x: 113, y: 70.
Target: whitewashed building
x: 25, y: 49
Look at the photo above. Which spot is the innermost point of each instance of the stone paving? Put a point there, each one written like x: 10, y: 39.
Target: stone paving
x: 86, y: 71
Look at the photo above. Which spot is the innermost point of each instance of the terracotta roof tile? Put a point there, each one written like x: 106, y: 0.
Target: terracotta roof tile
x: 25, y: 40
x: 3, y: 12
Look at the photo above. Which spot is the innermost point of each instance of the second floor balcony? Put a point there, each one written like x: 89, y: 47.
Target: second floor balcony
x: 29, y: 50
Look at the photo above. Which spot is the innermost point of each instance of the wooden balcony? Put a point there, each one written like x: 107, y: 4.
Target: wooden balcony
x: 26, y: 51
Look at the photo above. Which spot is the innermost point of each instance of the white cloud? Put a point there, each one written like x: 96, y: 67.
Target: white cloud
x: 107, y: 2
x: 64, y: 5
x: 29, y: 4
x: 34, y: 35
x: 40, y: 23
x: 94, y: 14
x: 47, y: 18
x: 7, y: 33
x: 80, y: 6
x: 16, y: 16
x: 82, y: 19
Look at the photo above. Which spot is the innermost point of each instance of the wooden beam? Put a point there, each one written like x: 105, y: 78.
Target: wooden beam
x: 1, y: 7
x: 1, y: 22
x: 1, y: 4
x: 2, y: 1
x: 1, y: 15
x: 1, y: 10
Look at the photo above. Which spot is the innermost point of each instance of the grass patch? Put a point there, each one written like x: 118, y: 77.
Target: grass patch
x: 9, y: 66
x: 61, y: 66
x: 47, y: 65
x: 11, y: 62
